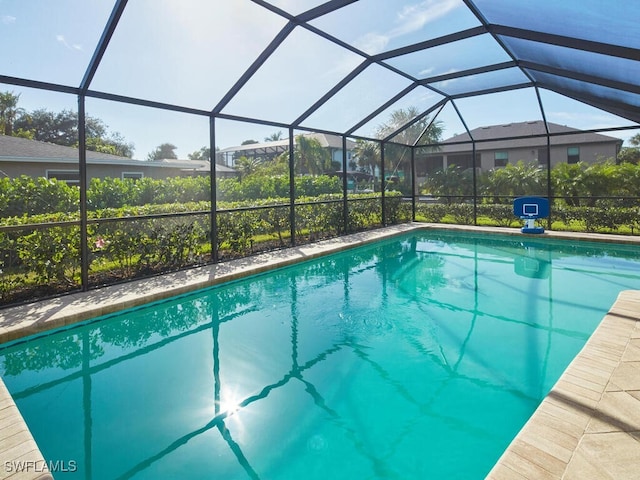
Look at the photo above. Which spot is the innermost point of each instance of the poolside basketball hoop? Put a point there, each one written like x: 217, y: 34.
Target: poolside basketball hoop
x: 529, y: 209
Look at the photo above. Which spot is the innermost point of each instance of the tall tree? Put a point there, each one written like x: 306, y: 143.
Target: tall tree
x: 163, y: 151
x: 414, y: 132
x: 113, y: 146
x: 9, y: 111
x: 630, y: 154
x: 203, y: 154
x: 61, y: 128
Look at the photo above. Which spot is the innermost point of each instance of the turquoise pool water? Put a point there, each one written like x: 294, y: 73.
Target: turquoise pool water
x: 416, y: 358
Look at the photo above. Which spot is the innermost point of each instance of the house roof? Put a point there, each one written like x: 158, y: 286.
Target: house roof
x: 22, y: 149
x: 16, y: 147
x: 276, y: 146
x: 522, y: 135
x: 280, y: 146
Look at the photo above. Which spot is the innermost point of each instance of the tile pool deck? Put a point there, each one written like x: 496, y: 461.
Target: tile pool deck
x: 588, y: 426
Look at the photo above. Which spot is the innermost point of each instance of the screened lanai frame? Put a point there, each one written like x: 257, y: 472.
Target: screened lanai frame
x: 533, y: 46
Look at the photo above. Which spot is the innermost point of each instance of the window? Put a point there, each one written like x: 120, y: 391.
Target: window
x: 501, y: 159
x: 428, y: 165
x: 543, y: 157
x: 134, y: 175
x: 573, y: 154
x: 463, y: 160
x: 72, y: 177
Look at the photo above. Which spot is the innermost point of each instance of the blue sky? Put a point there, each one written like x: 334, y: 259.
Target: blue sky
x: 190, y: 52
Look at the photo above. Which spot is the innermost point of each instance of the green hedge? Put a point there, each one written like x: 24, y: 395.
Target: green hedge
x: 578, y: 184
x: 33, y: 196
x: 133, y: 241
x: 26, y: 196
x: 600, y: 218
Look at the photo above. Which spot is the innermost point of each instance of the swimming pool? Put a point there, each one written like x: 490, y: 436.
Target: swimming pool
x: 418, y: 357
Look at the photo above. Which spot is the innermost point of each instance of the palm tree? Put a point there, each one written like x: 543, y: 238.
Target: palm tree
x: 567, y: 181
x: 599, y: 180
x: 417, y: 133
x: 8, y: 111
x: 515, y: 180
x: 274, y: 137
x: 367, y: 154
x: 450, y: 182
x: 246, y: 166
x: 310, y: 157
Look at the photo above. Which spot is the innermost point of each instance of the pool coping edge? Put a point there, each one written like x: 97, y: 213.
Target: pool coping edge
x: 19, y: 453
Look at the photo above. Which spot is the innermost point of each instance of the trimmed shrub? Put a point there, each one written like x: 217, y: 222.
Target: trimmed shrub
x: 499, y: 214
x: 32, y: 196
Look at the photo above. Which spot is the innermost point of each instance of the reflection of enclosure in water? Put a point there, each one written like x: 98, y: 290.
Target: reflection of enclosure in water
x: 531, y: 264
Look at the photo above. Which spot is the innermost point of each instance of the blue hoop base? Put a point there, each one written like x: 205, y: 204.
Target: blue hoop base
x: 532, y: 230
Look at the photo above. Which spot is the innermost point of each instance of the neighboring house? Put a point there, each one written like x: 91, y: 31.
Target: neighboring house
x: 499, y: 145
x: 270, y: 150
x: 20, y: 156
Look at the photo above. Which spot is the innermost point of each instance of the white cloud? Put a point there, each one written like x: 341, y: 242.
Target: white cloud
x: 443, y: 83
x: 71, y: 46
x: 592, y: 120
x: 8, y: 19
x: 583, y: 117
x: 372, y: 42
x: 411, y: 18
x: 414, y: 17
